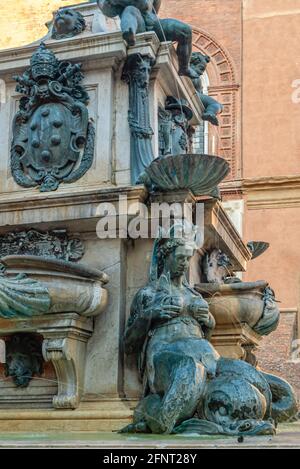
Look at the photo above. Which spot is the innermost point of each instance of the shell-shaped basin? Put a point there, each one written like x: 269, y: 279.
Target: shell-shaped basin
x: 33, y: 286
x: 199, y: 173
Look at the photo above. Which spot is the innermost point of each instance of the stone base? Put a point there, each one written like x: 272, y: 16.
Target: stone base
x: 236, y: 341
x: 102, y: 416
x: 288, y: 437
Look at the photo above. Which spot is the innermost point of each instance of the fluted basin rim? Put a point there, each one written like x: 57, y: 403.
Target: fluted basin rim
x: 54, y: 265
x: 200, y: 173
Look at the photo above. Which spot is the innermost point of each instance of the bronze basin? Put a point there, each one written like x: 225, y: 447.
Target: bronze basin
x: 234, y: 303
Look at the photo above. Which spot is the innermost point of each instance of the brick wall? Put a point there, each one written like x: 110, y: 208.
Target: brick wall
x: 275, y: 352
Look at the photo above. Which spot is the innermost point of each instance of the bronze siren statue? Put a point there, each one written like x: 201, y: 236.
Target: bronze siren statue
x: 188, y: 387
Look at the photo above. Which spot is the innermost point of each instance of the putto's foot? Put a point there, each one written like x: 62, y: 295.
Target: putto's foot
x: 129, y: 37
x: 207, y: 116
x: 188, y: 72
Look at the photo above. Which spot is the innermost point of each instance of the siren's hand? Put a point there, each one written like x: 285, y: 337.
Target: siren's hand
x: 162, y: 312
x: 203, y: 317
x: 198, y: 308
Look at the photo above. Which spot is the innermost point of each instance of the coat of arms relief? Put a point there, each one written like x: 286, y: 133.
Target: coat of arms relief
x: 53, y: 139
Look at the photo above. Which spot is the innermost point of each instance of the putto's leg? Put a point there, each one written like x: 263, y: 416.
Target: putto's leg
x: 132, y: 23
x: 177, y: 31
x: 212, y: 109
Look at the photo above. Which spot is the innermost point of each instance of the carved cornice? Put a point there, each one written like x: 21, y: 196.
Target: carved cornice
x: 80, y: 204
x: 232, y: 188
x: 272, y: 192
x: 99, y: 47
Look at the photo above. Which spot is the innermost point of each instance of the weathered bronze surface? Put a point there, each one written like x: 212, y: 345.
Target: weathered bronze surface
x: 67, y: 23
x: 21, y: 296
x: 212, y: 107
x: 138, y: 16
x: 24, y: 358
x: 257, y: 248
x: 46, y: 285
x: 198, y: 173
x: 54, y: 244
x: 136, y: 73
x: 53, y: 140
x: 215, y: 265
x: 187, y: 386
x: 252, y: 303
x: 173, y: 127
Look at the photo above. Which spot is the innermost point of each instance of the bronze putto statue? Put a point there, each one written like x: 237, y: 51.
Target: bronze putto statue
x: 139, y: 16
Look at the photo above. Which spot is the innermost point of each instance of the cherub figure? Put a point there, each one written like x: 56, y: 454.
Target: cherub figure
x: 138, y: 16
x: 212, y: 107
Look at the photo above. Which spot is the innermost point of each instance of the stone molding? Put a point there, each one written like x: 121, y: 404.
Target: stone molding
x: 66, y: 349
x: 272, y: 192
x: 104, y: 47
x: 64, y: 207
x: 107, y: 414
x: 232, y: 341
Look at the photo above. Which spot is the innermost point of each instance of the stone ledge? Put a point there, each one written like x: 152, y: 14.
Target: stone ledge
x: 98, y: 47
x: 288, y: 437
x: 33, y: 208
x: 272, y: 192
x: 106, y: 415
